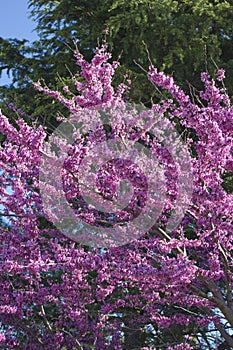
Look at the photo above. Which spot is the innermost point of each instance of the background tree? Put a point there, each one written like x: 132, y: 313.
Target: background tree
x: 182, y: 37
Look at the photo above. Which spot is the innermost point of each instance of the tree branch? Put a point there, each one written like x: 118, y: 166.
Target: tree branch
x: 220, y: 328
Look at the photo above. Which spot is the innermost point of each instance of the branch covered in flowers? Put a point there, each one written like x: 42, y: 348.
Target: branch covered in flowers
x: 55, y: 291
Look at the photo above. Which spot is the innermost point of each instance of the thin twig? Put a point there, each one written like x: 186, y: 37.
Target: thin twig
x: 46, y: 322
x: 76, y: 341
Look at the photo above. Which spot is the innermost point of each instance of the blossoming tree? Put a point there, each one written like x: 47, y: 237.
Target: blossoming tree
x: 56, y: 292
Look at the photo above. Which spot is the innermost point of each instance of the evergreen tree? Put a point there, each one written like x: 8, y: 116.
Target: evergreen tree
x: 182, y: 38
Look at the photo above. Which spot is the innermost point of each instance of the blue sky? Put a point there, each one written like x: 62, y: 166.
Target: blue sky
x: 15, y: 23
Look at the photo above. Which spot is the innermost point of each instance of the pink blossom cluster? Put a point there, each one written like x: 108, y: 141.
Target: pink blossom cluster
x: 58, y: 293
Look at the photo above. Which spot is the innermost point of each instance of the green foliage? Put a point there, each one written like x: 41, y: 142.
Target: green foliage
x: 182, y: 37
